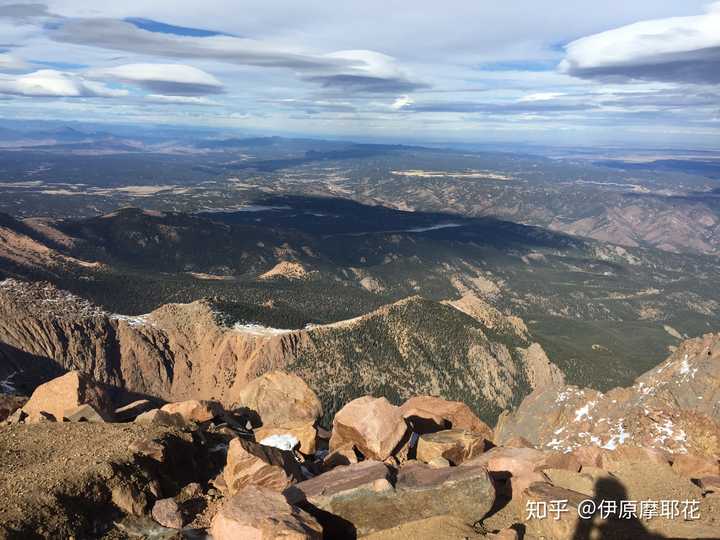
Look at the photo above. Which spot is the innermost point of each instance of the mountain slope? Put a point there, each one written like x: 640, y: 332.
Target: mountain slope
x: 182, y: 351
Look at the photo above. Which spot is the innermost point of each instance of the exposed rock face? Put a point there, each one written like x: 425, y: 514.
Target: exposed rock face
x: 257, y: 513
x: 65, y: 394
x: 280, y: 398
x: 430, y: 413
x: 671, y: 407
x: 251, y: 464
x: 372, y: 425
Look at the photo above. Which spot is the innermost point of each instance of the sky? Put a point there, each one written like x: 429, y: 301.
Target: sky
x: 581, y: 72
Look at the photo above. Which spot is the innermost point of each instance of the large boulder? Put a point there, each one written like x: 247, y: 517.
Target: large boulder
x: 455, y: 445
x: 360, y: 499
x: 429, y: 413
x: 280, y: 398
x: 257, y: 513
x: 373, y: 425
x: 67, y: 393
x: 252, y: 464
x: 193, y: 410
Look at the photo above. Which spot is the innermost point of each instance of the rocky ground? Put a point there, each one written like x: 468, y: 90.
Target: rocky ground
x: 74, y: 463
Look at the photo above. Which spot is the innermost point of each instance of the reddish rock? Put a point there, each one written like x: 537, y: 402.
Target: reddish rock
x: 504, y: 534
x: 194, y: 410
x: 426, y: 414
x: 563, y: 528
x: 345, y: 455
x: 373, y: 425
x: 692, y: 466
x: 559, y: 460
x: 167, y: 513
x: 68, y: 392
x: 280, y: 398
x: 588, y: 456
x: 249, y: 463
x: 454, y: 445
x: 257, y: 513
x: 613, y: 459
x: 518, y: 442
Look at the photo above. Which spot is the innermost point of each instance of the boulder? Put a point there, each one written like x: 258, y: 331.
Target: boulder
x: 455, y: 445
x: 345, y: 455
x: 160, y: 417
x: 518, y: 442
x: 68, y: 392
x: 193, y: 410
x: 513, y: 469
x: 560, y: 460
x: 257, y: 513
x: 150, y: 449
x: 426, y: 414
x: 373, y: 425
x: 692, y: 466
x: 438, y: 462
x: 249, y: 463
x: 128, y: 413
x: 280, y: 398
x: 168, y: 514
x: 360, y: 499
x: 304, y: 432
x: 83, y: 413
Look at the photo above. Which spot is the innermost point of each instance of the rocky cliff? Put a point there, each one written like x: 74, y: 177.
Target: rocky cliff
x: 673, y: 407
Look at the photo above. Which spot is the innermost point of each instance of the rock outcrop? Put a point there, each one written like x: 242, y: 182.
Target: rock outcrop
x: 672, y: 407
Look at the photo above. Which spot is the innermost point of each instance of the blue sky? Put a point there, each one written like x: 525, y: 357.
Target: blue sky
x: 562, y: 72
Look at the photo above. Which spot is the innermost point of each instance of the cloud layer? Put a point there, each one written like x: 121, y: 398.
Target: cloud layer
x: 457, y: 69
x: 677, y: 49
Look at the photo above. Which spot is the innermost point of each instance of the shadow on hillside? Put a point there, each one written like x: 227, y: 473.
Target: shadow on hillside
x: 27, y: 371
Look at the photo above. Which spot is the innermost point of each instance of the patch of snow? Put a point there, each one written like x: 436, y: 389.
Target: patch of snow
x: 136, y: 320
x: 283, y: 441
x: 584, y: 411
x: 6, y: 385
x: 259, y: 330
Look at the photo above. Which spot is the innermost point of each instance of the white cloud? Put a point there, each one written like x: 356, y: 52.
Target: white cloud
x: 676, y: 49
x: 52, y: 83
x: 179, y: 100
x: 541, y: 96
x: 165, y: 79
x: 402, y: 101
x: 9, y: 62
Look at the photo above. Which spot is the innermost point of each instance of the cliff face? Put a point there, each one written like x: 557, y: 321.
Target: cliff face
x: 181, y: 351
x: 176, y: 352
x: 672, y: 407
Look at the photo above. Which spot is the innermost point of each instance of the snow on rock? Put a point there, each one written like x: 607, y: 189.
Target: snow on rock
x: 283, y: 441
